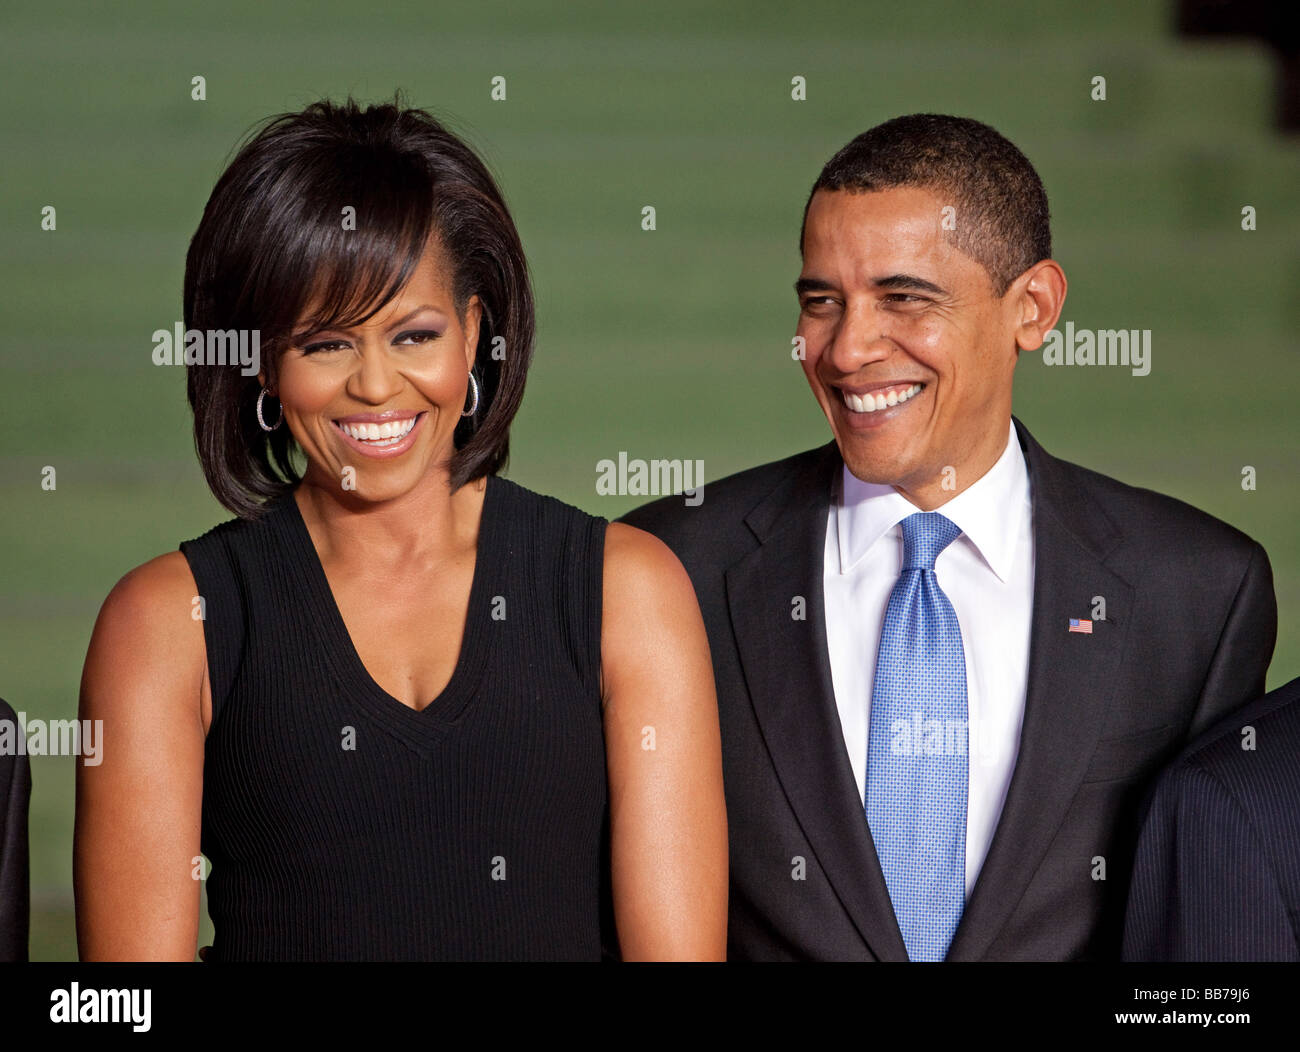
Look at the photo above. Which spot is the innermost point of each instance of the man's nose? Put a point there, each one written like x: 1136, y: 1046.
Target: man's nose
x: 859, y: 340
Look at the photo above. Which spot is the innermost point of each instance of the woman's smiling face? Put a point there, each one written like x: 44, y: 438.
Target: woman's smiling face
x: 374, y: 406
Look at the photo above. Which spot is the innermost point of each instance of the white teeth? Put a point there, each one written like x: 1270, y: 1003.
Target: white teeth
x: 870, y: 403
x: 386, y: 434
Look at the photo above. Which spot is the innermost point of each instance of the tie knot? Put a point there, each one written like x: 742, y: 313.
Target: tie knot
x: 925, y: 535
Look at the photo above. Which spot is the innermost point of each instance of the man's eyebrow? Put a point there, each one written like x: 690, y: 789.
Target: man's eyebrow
x: 908, y: 281
x: 892, y: 282
x: 812, y: 285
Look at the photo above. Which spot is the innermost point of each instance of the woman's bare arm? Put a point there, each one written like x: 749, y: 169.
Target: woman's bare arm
x: 668, y: 823
x: 136, y: 844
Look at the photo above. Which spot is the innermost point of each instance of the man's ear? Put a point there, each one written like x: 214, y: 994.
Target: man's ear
x: 1038, y: 295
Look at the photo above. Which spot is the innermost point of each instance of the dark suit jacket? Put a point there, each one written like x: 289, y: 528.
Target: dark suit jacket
x: 1191, y: 623
x: 15, y: 792
x: 1217, y: 876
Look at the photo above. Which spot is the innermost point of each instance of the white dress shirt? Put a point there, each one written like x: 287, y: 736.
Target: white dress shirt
x: 987, y: 574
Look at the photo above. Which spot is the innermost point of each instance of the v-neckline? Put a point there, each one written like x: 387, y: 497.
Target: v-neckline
x: 431, y: 722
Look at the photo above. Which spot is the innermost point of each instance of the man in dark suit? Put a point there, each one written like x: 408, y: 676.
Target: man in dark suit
x: 1217, y: 876
x: 933, y: 573
x: 15, y: 792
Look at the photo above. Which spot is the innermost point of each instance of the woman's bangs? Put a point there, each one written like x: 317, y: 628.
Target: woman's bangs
x: 362, y: 252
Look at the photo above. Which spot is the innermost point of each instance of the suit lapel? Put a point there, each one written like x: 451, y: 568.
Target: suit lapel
x: 1070, y: 683
x: 787, y: 669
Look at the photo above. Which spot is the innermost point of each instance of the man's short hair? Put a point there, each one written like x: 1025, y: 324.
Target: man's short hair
x: 1002, y: 221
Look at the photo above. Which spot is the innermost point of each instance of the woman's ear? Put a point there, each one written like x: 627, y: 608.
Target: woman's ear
x: 473, y: 315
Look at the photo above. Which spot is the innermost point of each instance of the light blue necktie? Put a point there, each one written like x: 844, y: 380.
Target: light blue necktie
x: 917, y: 745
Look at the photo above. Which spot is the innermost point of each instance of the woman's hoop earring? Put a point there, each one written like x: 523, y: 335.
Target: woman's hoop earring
x: 474, y: 406
x: 261, y: 419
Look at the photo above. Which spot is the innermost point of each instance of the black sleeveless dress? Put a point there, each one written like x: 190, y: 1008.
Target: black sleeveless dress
x: 343, y: 825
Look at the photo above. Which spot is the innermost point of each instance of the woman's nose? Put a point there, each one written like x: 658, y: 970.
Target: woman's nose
x: 375, y: 378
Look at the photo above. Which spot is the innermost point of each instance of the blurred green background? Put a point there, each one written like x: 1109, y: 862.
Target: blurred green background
x: 672, y: 343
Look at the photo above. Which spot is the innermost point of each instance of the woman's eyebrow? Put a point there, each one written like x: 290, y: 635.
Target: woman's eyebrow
x: 311, y: 330
x: 420, y: 309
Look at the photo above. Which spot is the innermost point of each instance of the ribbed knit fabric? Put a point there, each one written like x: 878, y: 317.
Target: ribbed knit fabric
x: 473, y: 829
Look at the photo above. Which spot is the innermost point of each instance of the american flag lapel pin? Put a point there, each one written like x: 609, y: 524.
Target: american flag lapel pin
x: 1079, y: 625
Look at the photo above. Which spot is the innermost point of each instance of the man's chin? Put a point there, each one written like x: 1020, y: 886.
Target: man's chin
x: 872, y: 467
x: 874, y: 457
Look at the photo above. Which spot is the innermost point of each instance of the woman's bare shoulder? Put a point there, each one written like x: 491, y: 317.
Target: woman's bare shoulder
x: 153, y: 591
x: 149, y: 632
x: 639, y: 565
x: 650, y: 611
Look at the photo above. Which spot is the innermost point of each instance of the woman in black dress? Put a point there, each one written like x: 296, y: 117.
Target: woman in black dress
x: 407, y: 709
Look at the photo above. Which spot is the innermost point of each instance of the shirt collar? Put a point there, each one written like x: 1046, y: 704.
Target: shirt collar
x: 990, y: 512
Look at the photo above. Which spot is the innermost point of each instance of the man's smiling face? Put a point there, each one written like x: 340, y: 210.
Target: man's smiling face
x: 907, y: 347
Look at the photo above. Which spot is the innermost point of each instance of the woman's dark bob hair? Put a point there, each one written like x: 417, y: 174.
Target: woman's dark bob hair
x: 274, y: 237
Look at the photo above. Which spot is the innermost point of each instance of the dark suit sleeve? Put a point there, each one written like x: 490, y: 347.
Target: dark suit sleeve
x: 1204, y: 887
x: 15, y: 793
x: 1240, y: 663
